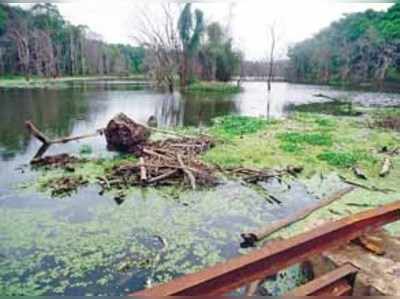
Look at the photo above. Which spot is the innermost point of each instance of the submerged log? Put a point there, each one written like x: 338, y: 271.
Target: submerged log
x: 125, y: 135
x: 252, y: 237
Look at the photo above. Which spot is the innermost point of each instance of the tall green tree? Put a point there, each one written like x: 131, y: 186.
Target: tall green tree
x: 219, y: 60
x: 190, y: 34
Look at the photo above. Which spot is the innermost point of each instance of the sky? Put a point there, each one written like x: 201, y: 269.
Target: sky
x: 294, y: 20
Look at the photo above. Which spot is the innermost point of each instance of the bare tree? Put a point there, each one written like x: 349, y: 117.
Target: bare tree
x: 275, y: 44
x: 158, y: 34
x: 271, y: 58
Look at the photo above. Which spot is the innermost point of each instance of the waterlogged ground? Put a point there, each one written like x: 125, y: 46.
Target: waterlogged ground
x: 90, y: 244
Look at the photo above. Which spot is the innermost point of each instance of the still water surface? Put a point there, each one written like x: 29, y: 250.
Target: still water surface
x: 88, y: 244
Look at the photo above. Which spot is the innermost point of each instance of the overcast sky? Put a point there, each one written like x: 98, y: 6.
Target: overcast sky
x: 295, y: 19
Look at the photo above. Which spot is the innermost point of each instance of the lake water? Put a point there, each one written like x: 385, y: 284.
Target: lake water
x: 88, y: 244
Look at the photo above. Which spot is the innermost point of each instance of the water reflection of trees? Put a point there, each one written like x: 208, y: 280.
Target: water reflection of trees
x: 54, y: 111
x: 57, y: 111
x: 170, y: 112
x: 193, y: 110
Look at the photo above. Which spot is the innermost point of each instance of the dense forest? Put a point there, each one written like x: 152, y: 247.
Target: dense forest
x: 40, y: 42
x: 359, y: 48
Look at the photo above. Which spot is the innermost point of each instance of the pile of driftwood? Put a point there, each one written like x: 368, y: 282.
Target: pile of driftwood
x: 172, y: 161
x: 168, y: 162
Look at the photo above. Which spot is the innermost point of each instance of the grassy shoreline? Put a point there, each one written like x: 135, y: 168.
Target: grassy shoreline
x: 60, y: 82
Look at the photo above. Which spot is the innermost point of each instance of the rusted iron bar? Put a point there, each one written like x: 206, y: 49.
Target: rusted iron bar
x: 228, y: 276
x: 338, y: 282
x: 339, y: 288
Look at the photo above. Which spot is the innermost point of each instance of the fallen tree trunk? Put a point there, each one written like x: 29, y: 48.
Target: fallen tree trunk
x: 252, y: 237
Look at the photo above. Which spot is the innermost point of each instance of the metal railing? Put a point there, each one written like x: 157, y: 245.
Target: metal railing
x: 241, y: 271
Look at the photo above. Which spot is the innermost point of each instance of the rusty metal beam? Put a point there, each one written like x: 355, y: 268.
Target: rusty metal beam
x: 338, y: 288
x: 337, y: 282
x: 228, y: 276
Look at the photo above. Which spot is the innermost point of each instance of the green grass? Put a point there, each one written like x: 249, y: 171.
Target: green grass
x: 230, y: 126
x: 322, y: 144
x: 212, y: 87
x: 339, y: 159
x: 321, y: 139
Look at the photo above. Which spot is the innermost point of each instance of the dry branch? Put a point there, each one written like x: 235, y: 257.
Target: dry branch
x: 257, y: 235
x: 188, y: 173
x: 47, y: 141
x: 162, y: 177
x: 143, y: 172
x: 37, y: 133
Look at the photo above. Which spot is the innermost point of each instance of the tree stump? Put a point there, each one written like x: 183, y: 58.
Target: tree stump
x: 125, y: 136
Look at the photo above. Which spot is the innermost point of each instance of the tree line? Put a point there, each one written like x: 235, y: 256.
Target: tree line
x: 359, y: 48
x: 40, y: 42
